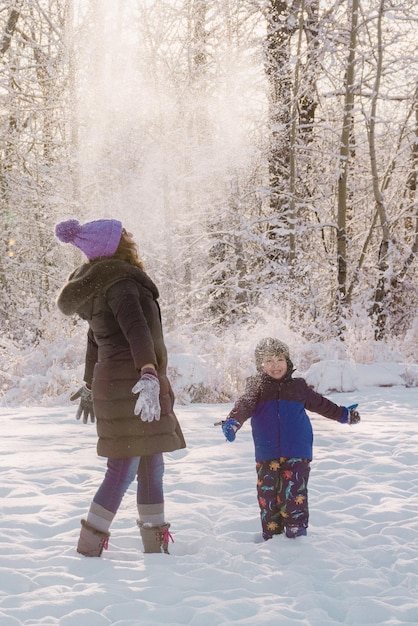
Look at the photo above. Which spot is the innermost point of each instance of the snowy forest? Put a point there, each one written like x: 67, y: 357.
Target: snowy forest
x: 263, y: 152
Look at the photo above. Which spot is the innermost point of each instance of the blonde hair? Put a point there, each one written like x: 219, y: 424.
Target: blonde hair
x: 128, y: 251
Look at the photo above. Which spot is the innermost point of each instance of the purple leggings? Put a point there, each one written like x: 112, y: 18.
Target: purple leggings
x: 121, y: 473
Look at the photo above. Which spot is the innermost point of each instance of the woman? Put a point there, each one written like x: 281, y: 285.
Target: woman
x: 125, y: 355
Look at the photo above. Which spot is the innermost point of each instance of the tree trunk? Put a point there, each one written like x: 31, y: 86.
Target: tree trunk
x: 412, y: 188
x: 378, y: 309
x: 277, y: 67
x: 346, y: 146
x: 307, y: 99
x: 10, y: 28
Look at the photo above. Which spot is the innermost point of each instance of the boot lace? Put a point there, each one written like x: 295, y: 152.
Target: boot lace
x: 167, y: 536
x: 104, y: 544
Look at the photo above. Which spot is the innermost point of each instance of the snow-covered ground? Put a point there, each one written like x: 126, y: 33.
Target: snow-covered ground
x: 357, y: 566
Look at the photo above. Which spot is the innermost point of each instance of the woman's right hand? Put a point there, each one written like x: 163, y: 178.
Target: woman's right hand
x: 148, y: 403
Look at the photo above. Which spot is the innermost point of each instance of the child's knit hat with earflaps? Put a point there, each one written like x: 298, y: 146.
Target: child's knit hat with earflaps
x: 270, y: 346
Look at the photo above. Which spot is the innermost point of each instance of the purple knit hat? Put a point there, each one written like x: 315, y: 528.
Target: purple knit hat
x: 95, y: 239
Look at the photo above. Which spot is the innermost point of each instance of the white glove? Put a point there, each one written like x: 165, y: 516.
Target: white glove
x: 148, y: 404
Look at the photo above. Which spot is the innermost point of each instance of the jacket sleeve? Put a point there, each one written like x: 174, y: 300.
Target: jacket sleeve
x: 124, y: 301
x: 91, y: 358
x: 321, y: 405
x: 245, y: 406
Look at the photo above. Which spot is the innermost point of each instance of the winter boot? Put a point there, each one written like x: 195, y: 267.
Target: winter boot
x: 155, y: 538
x: 91, y: 541
x: 295, y: 531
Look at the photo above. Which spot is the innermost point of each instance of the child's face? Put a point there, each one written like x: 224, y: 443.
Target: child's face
x: 275, y: 365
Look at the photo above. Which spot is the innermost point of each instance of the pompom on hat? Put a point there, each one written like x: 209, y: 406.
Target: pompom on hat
x: 95, y: 239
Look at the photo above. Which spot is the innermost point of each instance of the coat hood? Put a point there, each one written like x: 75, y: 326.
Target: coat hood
x: 91, y: 278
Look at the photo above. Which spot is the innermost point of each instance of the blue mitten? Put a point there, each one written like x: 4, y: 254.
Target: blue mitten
x: 230, y: 427
x: 351, y: 415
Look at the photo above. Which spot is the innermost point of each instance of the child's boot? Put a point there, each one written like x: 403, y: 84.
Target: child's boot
x: 295, y: 531
x: 155, y: 538
x: 92, y: 542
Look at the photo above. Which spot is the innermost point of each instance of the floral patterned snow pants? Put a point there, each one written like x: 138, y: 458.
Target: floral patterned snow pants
x: 282, y: 491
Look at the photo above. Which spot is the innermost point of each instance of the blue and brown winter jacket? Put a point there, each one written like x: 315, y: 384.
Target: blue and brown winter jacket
x: 280, y: 424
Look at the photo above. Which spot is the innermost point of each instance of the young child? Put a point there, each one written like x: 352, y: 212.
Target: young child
x: 283, y: 437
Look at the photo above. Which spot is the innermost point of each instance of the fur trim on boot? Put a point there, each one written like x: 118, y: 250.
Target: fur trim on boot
x: 91, y: 542
x: 155, y: 538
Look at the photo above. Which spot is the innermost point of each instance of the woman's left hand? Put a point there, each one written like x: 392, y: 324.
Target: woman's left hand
x: 85, y: 407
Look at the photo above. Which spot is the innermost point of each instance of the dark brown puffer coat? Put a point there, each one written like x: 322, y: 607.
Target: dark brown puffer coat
x: 119, y: 302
